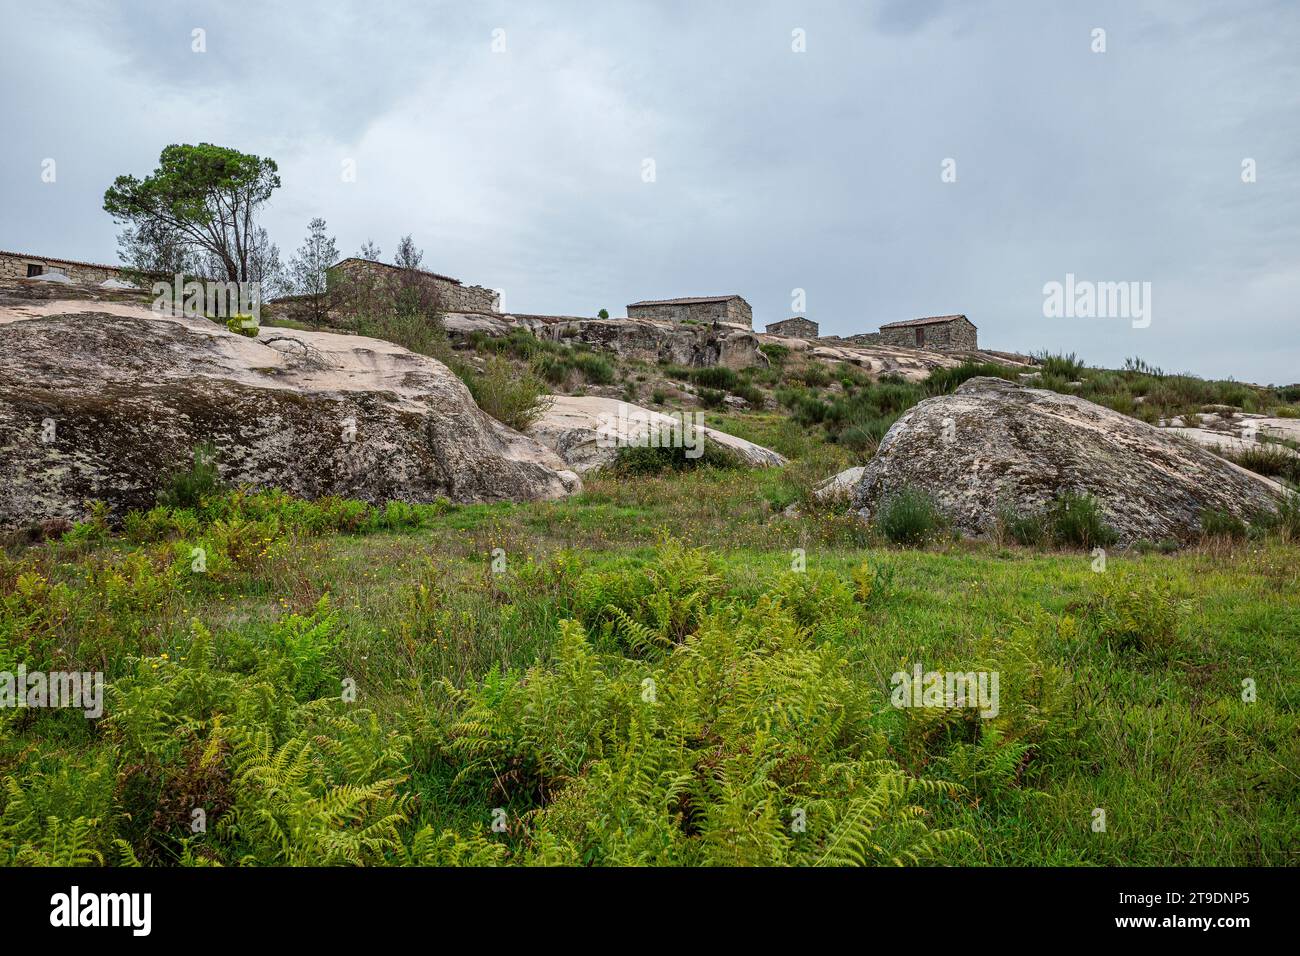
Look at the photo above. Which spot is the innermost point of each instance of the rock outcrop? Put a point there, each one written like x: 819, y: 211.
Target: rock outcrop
x: 587, y: 432
x: 840, y: 486
x: 994, y: 444
x: 913, y: 365
x: 675, y: 342
x: 104, y: 399
x: 1236, y: 432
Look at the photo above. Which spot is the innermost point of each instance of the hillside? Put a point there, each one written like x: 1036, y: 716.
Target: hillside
x: 682, y: 662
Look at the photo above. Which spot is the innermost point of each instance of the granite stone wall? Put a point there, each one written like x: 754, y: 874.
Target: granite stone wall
x: 795, y: 327
x: 16, y: 267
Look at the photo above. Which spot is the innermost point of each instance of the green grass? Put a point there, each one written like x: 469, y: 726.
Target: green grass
x: 1121, y: 691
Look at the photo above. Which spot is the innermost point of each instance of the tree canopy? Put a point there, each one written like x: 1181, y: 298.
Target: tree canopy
x: 198, y: 209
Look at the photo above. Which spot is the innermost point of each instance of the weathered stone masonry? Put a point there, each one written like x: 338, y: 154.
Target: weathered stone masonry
x: 18, y: 265
x: 940, y: 333
x: 702, y: 309
x: 453, y: 295
x: 795, y: 327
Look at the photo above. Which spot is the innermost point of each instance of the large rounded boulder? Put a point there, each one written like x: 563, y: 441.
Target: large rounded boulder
x: 994, y: 445
x: 104, y: 400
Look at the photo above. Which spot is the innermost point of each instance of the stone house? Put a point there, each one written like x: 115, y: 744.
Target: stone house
x: 21, y: 265
x: 795, y: 327
x: 452, y: 295
x: 941, y: 333
x: 704, y: 310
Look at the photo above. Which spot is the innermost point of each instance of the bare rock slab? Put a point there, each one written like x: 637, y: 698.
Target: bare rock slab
x: 587, y: 432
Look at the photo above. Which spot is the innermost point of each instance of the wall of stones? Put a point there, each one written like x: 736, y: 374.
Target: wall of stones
x: 795, y: 327
x: 955, y: 336
x: 451, y: 296
x: 735, y: 311
x: 659, y: 313
x: 467, y: 298
x: 15, y: 267
x: 963, y: 336
x: 899, y: 338
x: 739, y: 312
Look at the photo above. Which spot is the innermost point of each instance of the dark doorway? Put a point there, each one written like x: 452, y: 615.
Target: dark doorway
x: 920, y: 338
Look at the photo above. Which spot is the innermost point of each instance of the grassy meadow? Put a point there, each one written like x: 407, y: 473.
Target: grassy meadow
x: 664, y: 670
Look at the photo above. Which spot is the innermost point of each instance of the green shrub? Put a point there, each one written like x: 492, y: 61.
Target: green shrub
x: 1163, y: 546
x: 1222, y: 524
x: 679, y: 373
x: 595, y: 369
x: 657, y: 461
x: 1285, y: 521
x: 242, y: 324
x: 555, y: 369
x: 1030, y: 530
x: 714, y: 376
x: 1076, y: 521
x: 189, y: 489
x: 865, y: 434
x: 710, y: 398
x: 513, y: 396
x: 909, y: 517
x: 776, y: 353
x: 808, y: 409
x: 751, y: 394
x: 416, y: 331
x: 813, y: 374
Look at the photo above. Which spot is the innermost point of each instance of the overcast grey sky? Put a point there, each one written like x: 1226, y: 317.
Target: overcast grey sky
x: 774, y: 170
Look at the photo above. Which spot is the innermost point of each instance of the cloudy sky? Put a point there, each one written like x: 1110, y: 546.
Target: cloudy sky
x: 512, y: 140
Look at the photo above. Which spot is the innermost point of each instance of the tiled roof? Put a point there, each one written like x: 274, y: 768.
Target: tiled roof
x: 65, y: 262
x: 387, y: 265
x: 688, y: 300
x: 928, y: 320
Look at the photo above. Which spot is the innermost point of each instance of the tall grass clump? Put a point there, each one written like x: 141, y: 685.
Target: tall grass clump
x: 1067, y: 367
x: 944, y: 381
x: 909, y: 517
x: 189, y: 488
x: 1076, y: 521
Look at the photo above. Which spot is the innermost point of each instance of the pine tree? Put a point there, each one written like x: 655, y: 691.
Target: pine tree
x: 308, y: 268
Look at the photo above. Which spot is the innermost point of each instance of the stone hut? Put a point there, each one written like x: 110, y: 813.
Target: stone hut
x: 940, y: 333
x: 796, y: 327
x: 22, y: 265
x: 452, y: 295
x: 704, y: 310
